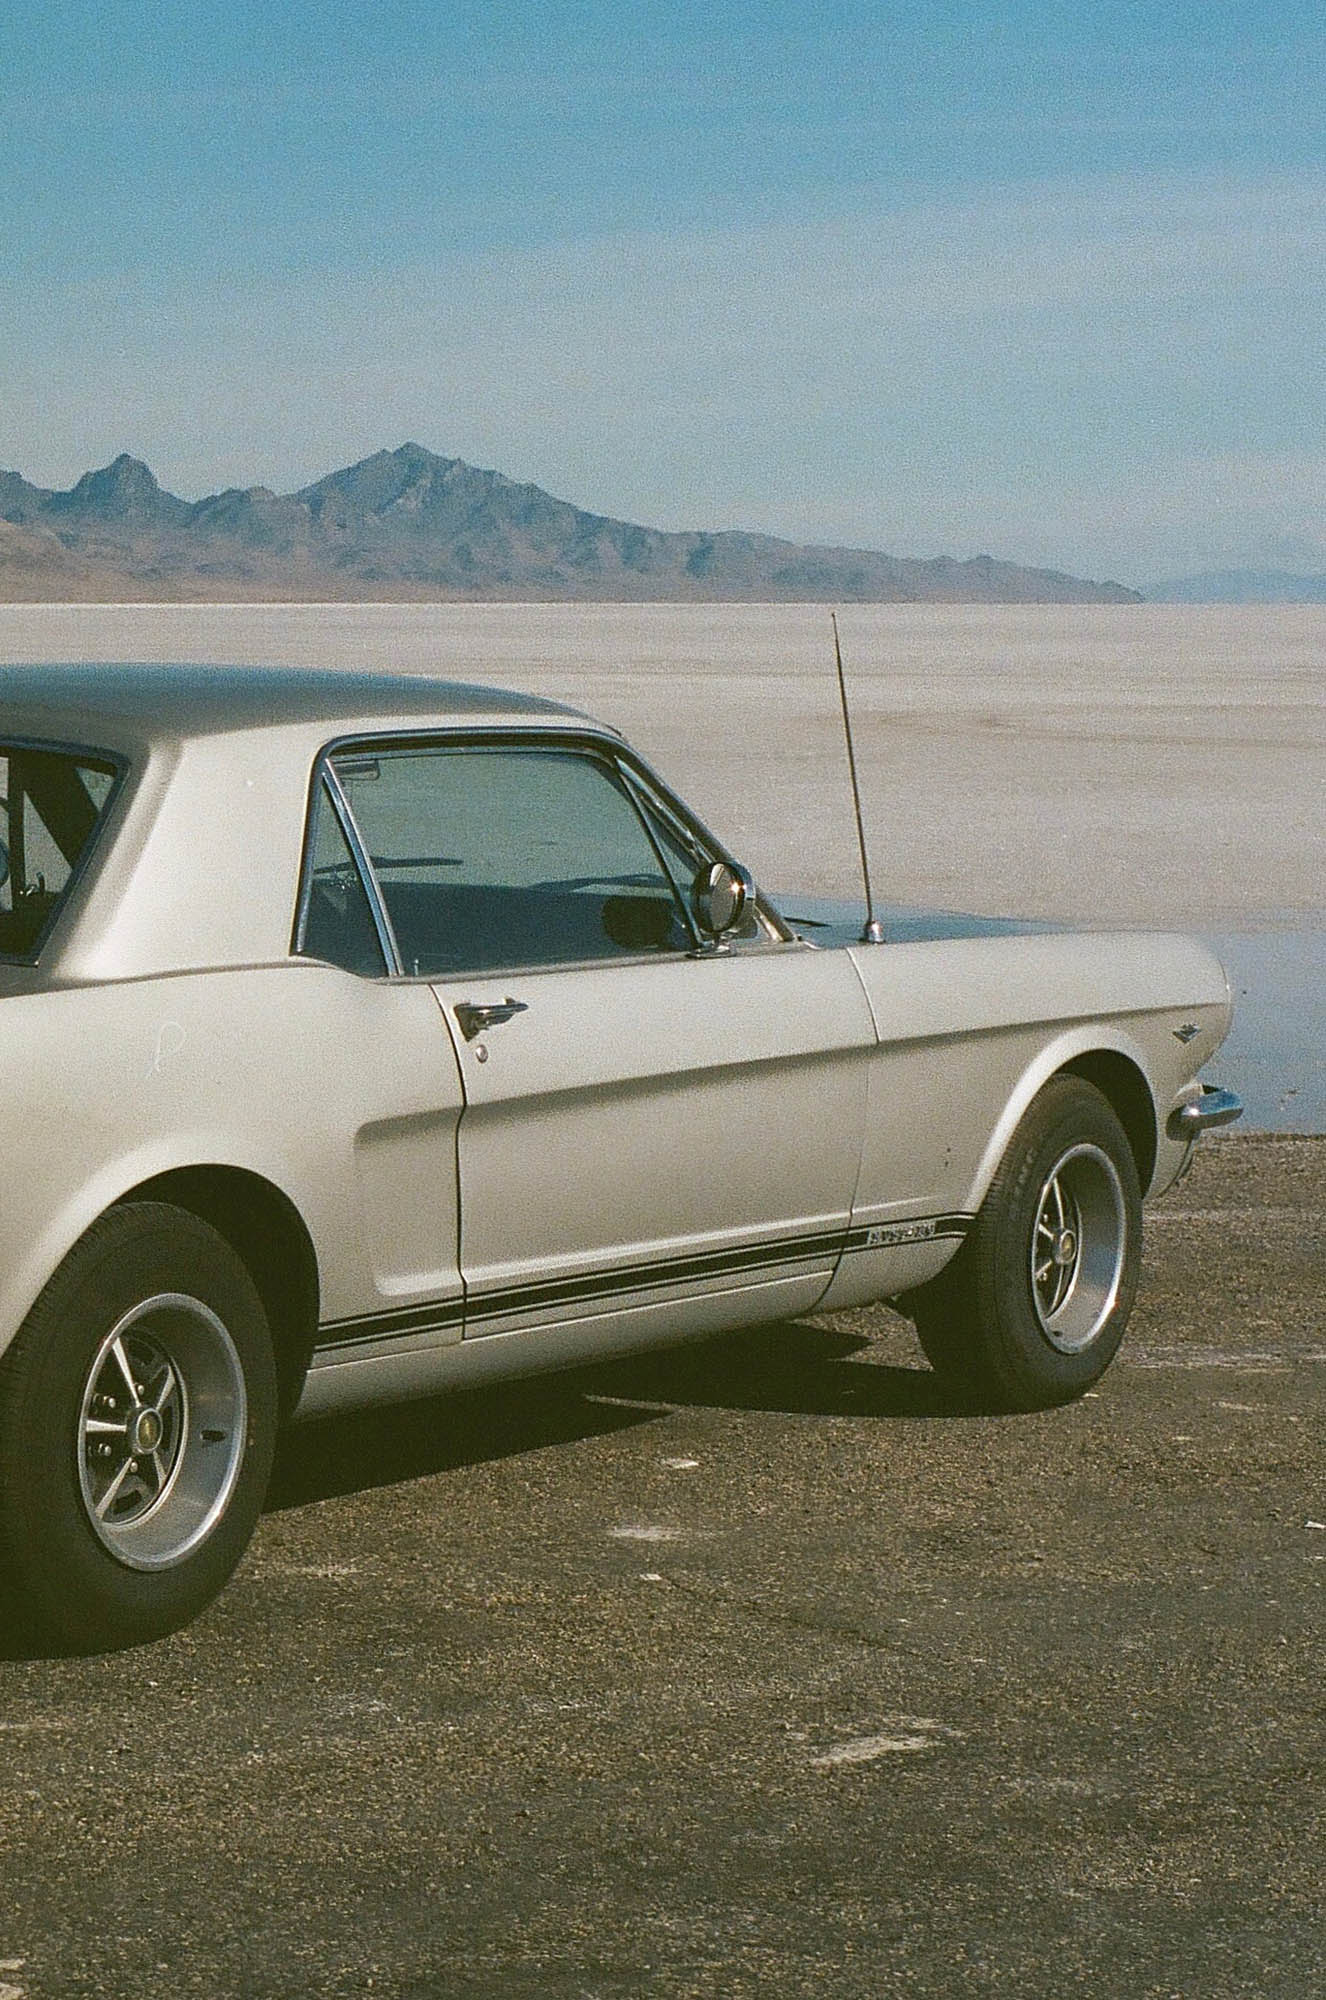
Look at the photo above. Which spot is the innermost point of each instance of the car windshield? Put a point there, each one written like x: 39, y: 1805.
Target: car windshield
x: 51, y: 804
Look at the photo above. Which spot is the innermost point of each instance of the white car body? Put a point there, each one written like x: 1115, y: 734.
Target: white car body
x: 658, y: 1144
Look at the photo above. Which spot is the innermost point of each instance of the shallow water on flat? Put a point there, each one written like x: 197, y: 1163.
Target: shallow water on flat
x: 1275, y: 1057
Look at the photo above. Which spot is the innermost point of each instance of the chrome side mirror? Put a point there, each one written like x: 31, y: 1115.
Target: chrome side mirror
x: 722, y: 896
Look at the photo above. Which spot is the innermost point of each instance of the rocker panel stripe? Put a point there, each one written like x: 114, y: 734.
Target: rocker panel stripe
x: 627, y: 1281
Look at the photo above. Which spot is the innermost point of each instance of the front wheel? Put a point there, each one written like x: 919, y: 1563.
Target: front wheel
x: 137, y: 1427
x: 1032, y: 1309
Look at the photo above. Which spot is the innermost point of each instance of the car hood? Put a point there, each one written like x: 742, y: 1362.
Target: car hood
x: 828, y: 920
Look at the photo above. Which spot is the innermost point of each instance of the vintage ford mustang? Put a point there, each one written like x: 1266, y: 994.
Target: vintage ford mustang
x: 364, y: 1035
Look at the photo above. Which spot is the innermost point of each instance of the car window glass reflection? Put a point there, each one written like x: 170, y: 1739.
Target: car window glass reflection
x: 500, y: 858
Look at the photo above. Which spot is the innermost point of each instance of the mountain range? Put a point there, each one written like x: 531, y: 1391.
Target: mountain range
x: 408, y: 524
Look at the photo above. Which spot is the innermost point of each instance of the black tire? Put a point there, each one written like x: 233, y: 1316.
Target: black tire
x: 138, y: 1410
x: 1031, y: 1311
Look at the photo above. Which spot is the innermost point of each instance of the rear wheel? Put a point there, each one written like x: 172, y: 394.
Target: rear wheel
x: 137, y: 1427
x: 1032, y: 1309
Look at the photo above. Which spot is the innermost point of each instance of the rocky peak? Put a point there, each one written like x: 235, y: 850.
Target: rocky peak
x: 382, y: 481
x: 125, y: 490
x: 20, y: 501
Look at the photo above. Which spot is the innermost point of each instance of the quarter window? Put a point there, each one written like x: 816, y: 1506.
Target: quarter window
x: 51, y: 804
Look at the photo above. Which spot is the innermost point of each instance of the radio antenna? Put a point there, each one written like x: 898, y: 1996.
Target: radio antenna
x: 874, y: 929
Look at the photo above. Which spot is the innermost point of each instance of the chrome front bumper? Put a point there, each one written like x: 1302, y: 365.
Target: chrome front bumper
x: 1202, y: 1113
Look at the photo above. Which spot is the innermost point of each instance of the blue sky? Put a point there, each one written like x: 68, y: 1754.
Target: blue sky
x: 1040, y: 280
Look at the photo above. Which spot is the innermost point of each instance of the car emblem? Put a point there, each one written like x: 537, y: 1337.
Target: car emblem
x: 1187, y: 1032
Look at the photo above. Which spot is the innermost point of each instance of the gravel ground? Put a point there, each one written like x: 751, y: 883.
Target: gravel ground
x: 751, y: 1669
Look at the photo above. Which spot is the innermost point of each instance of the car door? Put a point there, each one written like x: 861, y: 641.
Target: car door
x: 650, y: 1127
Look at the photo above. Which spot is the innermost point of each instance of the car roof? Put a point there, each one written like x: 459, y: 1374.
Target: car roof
x: 147, y: 702
x: 198, y: 864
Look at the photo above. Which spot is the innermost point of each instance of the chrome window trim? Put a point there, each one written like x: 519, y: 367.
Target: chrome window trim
x: 325, y: 785
x: 645, y: 808
x: 304, y: 887
x: 587, y: 965
x: 368, y: 874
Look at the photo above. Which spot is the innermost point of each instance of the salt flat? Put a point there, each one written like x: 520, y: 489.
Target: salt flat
x: 1119, y: 764
x: 1134, y: 765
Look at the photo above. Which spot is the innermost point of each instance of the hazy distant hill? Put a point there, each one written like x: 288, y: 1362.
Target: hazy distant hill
x: 408, y: 524
x: 1241, y: 586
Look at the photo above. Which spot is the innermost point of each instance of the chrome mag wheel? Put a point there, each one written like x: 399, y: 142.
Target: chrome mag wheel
x: 1031, y: 1310
x: 1079, y: 1243
x: 161, y: 1430
x: 138, y: 1413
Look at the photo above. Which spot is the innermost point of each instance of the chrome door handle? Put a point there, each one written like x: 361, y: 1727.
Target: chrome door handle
x: 472, y: 1020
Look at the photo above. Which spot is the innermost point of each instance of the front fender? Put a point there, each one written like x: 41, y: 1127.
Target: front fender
x: 1075, y: 1048
x: 970, y: 1029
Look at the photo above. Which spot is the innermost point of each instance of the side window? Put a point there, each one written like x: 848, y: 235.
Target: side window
x: 51, y: 806
x: 497, y: 858
x: 337, y: 920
